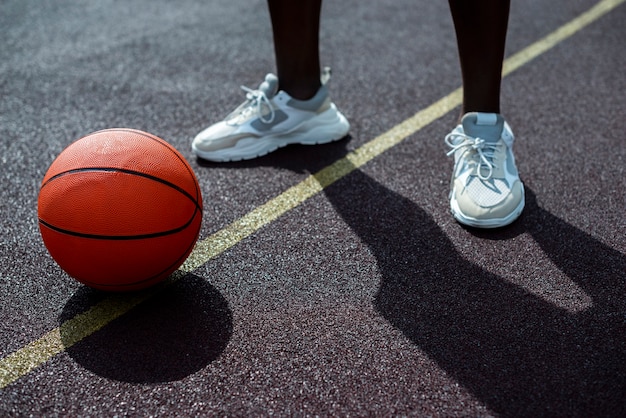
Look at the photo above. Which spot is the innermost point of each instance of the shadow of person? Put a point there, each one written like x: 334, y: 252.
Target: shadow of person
x: 167, y: 337
x: 517, y: 353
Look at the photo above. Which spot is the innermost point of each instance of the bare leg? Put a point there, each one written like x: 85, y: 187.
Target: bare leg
x: 295, y: 26
x: 481, y: 27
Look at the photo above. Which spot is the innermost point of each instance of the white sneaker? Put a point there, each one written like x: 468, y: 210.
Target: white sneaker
x: 270, y: 119
x: 485, y: 190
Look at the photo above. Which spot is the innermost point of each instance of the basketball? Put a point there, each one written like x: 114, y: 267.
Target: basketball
x: 120, y: 210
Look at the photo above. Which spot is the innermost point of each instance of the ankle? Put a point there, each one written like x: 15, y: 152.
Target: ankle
x: 301, y: 94
x: 300, y: 91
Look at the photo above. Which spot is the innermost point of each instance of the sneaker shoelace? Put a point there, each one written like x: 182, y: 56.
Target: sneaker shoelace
x: 256, y: 100
x: 485, y: 151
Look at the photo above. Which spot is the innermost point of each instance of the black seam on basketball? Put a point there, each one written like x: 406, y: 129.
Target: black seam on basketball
x: 162, y: 142
x: 122, y: 237
x: 125, y: 171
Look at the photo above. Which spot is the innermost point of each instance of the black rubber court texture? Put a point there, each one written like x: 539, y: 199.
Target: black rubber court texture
x: 328, y: 280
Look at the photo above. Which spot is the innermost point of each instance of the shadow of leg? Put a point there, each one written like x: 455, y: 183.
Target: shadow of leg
x: 517, y: 353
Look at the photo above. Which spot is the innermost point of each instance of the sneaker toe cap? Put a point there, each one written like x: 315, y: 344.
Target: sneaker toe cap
x: 216, y: 137
x: 484, y: 203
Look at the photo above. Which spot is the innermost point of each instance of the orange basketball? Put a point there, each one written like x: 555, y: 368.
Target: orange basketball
x: 120, y: 209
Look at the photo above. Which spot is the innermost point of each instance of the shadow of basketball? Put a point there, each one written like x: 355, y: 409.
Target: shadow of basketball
x: 169, y: 336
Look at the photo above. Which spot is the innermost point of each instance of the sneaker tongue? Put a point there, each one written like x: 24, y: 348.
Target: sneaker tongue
x: 269, y: 86
x: 487, y: 126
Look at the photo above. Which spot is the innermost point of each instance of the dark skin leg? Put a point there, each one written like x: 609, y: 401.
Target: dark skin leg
x: 295, y: 27
x: 481, y: 27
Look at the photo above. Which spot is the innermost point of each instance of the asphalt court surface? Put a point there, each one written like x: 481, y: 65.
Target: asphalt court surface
x: 328, y: 280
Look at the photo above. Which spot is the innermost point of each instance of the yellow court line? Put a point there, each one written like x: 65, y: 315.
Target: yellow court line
x: 33, y: 355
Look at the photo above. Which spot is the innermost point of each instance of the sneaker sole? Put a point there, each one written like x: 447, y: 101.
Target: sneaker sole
x: 312, y: 132
x: 487, y: 223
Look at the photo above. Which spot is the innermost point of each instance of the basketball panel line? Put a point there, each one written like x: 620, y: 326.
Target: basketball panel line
x: 128, y: 171
x: 197, y: 212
